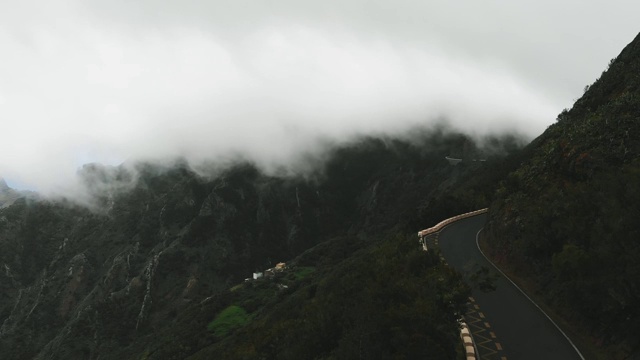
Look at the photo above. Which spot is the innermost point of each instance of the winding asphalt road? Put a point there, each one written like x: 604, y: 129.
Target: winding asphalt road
x: 521, y: 330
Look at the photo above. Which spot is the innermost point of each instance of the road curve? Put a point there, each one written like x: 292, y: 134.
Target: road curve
x: 524, y: 332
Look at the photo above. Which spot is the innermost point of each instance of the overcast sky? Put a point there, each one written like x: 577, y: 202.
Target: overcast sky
x: 114, y: 80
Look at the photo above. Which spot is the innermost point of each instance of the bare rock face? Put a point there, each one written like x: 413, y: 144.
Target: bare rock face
x: 162, y: 248
x: 7, y: 195
x: 3, y: 185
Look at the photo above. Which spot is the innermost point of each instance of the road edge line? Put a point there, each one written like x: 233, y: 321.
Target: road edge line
x: 527, y: 296
x: 437, y: 229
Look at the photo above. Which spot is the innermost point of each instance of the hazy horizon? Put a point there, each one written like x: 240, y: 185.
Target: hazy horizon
x: 113, y: 81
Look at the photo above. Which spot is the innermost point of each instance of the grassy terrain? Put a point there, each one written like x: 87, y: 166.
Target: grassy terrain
x: 385, y: 300
x: 229, y: 319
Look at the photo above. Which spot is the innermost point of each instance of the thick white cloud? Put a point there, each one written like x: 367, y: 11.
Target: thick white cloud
x: 108, y: 81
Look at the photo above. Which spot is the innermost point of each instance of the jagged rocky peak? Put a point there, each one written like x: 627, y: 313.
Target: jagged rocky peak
x: 7, y: 195
x: 3, y: 185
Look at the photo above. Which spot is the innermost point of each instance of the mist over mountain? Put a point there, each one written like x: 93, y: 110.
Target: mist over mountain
x: 145, y: 272
x: 8, y: 195
x: 88, y: 82
x: 180, y: 150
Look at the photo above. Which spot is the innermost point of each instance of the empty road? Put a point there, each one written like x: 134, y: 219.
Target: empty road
x: 508, y: 325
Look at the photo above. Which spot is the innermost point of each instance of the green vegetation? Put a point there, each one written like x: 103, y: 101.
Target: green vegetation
x: 163, y: 256
x: 304, y: 271
x: 163, y: 259
x: 567, y: 217
x: 387, y: 300
x: 229, y: 319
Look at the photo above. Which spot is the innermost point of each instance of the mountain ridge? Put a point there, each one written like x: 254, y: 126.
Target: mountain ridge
x: 88, y: 284
x: 8, y: 195
x: 566, y: 218
x: 151, y: 272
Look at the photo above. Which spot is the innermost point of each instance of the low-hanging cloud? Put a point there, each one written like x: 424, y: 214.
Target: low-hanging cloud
x: 266, y: 81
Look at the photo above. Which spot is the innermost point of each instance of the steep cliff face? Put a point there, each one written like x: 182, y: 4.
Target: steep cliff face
x: 568, y: 216
x: 8, y: 195
x: 79, y: 283
x: 106, y: 276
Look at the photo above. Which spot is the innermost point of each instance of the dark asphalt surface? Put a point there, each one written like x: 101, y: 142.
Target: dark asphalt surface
x: 523, y: 331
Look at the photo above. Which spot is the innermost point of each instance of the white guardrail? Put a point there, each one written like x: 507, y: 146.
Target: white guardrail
x: 467, y: 340
x: 465, y: 335
x: 443, y: 223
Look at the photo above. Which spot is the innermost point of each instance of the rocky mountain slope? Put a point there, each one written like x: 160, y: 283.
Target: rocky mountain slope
x: 8, y: 195
x: 79, y: 283
x: 156, y: 268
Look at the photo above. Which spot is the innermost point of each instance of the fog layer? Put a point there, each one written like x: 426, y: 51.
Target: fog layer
x: 272, y: 81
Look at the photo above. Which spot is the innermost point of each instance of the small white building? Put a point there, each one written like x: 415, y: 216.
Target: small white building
x: 257, y: 275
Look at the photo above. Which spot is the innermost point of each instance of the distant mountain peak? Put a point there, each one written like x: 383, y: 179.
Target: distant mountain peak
x: 3, y: 185
x: 7, y: 195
